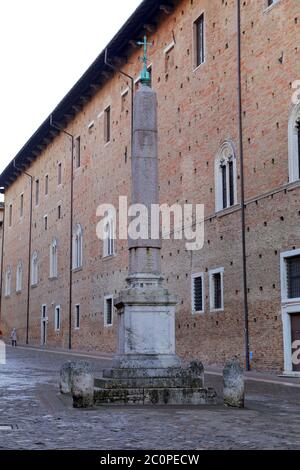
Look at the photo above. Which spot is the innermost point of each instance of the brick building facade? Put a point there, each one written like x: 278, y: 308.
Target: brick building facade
x: 194, y: 68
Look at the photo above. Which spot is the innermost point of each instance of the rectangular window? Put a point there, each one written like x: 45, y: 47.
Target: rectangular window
x: 77, y: 152
x: 108, y: 310
x: 293, y: 277
x: 59, y: 212
x: 77, y: 317
x: 124, y: 100
x: 21, y: 205
x: 199, y: 41
x: 198, y: 293
x: 57, y: 318
x: 59, y: 174
x: 46, y: 222
x: 37, y: 192
x: 169, y: 57
x: 46, y: 185
x: 107, y: 124
x: 10, y: 215
x: 216, y: 289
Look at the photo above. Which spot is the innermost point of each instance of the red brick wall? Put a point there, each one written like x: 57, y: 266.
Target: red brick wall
x: 197, y: 112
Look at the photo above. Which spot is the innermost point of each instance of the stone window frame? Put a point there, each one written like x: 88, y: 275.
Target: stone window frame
x: 77, y: 317
x: 57, y: 325
x: 272, y: 5
x: 211, y: 274
x: 8, y: 281
x: 106, y: 298
x: 77, y: 152
x: 19, y: 277
x: 53, y: 259
x: 197, y: 276
x: 78, y: 248
x: 34, y: 269
x: 21, y: 208
x: 222, y: 158
x: 293, y: 146
x: 195, y: 41
x: 170, y: 48
x: 109, y: 245
x: 284, y: 256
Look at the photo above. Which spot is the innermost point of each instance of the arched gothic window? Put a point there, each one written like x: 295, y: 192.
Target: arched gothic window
x: 294, y: 144
x: 226, y: 177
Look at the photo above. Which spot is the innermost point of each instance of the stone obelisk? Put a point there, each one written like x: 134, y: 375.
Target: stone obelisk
x: 146, y: 369
x: 146, y: 309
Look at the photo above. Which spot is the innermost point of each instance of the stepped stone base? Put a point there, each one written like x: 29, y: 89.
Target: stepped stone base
x: 153, y: 386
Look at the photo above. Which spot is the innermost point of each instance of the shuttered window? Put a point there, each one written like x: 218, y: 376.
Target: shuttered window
x: 293, y: 277
x: 197, y: 293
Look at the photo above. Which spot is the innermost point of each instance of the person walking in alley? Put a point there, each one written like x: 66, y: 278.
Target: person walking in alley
x: 13, y: 338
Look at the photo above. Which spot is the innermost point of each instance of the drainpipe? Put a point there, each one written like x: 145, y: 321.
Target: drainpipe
x: 2, y: 191
x: 55, y: 126
x: 29, y: 250
x: 132, y: 89
x: 243, y: 206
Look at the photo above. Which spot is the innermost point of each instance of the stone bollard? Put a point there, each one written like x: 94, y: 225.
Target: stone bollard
x: 65, y: 383
x: 234, y: 384
x: 82, y: 385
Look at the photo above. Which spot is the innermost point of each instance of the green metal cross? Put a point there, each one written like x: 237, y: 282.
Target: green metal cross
x: 145, y: 75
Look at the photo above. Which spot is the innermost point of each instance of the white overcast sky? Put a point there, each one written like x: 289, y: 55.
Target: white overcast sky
x: 45, y: 47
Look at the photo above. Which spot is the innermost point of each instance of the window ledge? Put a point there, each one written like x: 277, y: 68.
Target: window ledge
x: 53, y: 278
x: 198, y: 313
x: 7, y: 296
x: 228, y: 210
x: 108, y: 326
x: 216, y: 310
x: 199, y: 67
x: 77, y: 270
x: 290, y: 301
x: 270, y: 7
x: 293, y: 185
x: 34, y: 286
x: 18, y: 292
x: 108, y: 257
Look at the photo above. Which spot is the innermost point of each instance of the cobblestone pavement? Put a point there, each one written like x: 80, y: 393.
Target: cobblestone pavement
x: 42, y: 419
